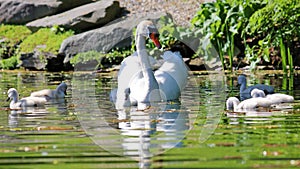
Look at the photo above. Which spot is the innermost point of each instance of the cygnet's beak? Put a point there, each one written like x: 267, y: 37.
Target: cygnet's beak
x: 8, y: 98
x: 155, y: 39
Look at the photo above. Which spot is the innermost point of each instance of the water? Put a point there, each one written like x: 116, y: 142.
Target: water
x: 85, y: 131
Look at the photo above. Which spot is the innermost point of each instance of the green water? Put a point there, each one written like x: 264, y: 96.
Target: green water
x: 85, y: 131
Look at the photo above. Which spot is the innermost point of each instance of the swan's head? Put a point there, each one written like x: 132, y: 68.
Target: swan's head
x: 12, y: 94
x: 148, y: 30
x: 257, y: 93
x: 232, y: 103
x: 241, y: 79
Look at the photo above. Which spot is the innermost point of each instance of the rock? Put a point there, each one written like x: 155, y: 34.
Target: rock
x: 38, y: 60
x: 24, y: 11
x: 32, y: 61
x: 105, y: 38
x: 82, y: 18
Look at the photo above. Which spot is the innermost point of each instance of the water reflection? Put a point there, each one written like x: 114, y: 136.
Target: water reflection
x: 153, y: 131
x: 129, y: 132
x: 16, y: 116
x: 259, y: 139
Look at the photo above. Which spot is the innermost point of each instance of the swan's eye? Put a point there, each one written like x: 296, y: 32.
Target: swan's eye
x: 155, y: 35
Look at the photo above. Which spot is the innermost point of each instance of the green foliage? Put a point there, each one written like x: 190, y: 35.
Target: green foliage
x: 277, y: 25
x: 13, y: 34
x: 86, y: 56
x: 10, y: 63
x: 46, y: 39
x: 283, y: 55
x: 98, y: 56
x: 223, y: 25
x: 10, y: 37
x: 256, y: 27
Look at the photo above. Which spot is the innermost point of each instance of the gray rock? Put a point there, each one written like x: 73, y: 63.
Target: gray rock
x: 24, y: 11
x: 38, y: 60
x: 105, y: 38
x: 82, y: 18
x: 32, y: 61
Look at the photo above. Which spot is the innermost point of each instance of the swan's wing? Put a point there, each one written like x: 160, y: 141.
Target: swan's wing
x: 280, y: 98
x: 175, y: 67
x: 34, y: 101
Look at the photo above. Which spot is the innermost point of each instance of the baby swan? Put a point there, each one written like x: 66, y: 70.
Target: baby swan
x: 275, y: 98
x: 59, y: 92
x: 24, y: 102
x: 233, y: 103
x: 245, y: 93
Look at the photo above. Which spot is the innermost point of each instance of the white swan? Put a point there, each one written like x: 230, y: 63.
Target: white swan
x: 59, y: 92
x: 144, y: 85
x: 275, y: 98
x: 233, y: 103
x: 24, y: 102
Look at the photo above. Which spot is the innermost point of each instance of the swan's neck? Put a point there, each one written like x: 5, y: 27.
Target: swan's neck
x: 150, y: 84
x: 14, y: 100
x: 243, y: 86
x: 143, y: 55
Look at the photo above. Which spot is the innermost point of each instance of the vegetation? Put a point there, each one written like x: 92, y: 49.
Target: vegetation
x: 111, y: 57
x: 46, y: 39
x: 17, y: 39
x: 11, y: 36
x: 240, y: 31
x: 256, y: 28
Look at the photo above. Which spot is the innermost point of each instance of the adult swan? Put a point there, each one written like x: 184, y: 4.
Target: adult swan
x: 138, y: 84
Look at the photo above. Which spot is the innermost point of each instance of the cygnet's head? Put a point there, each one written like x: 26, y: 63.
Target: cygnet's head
x: 257, y: 93
x: 147, y: 29
x: 12, y: 94
x: 232, y: 103
x: 241, y: 79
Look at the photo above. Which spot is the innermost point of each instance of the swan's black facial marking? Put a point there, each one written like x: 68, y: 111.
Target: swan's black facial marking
x: 155, y: 39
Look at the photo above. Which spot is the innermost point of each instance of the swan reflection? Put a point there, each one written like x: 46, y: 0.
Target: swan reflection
x: 20, y: 115
x: 153, y: 131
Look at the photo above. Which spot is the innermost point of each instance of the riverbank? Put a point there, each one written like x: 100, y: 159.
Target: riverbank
x: 182, y: 11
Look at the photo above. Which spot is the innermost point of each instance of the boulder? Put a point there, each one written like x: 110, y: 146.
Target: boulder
x: 82, y: 18
x: 38, y: 60
x: 32, y: 61
x: 24, y: 11
x: 116, y: 34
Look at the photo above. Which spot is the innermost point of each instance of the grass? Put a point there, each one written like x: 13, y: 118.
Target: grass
x: 283, y: 55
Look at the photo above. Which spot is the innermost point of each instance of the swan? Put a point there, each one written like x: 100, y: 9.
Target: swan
x: 233, y: 103
x: 59, y: 92
x: 146, y: 86
x: 275, y: 98
x: 24, y: 102
x: 245, y: 93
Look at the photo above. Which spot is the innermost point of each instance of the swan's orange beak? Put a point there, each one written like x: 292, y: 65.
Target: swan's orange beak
x: 155, y: 39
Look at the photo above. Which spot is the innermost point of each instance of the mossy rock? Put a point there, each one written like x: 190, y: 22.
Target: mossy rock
x: 51, y: 38
x: 13, y: 34
x: 10, y: 37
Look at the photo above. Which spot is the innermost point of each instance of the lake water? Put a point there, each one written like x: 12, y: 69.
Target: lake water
x: 84, y: 130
